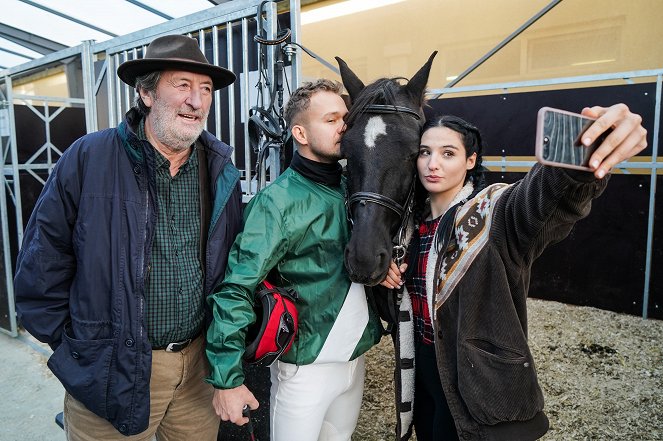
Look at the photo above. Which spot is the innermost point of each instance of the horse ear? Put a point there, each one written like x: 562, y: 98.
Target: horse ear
x: 352, y: 84
x: 417, y: 84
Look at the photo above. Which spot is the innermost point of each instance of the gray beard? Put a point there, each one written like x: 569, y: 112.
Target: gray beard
x: 176, y: 141
x: 165, y: 133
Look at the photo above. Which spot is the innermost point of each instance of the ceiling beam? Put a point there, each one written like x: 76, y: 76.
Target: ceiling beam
x: 150, y: 9
x: 33, y: 42
x: 68, y: 17
x: 9, y: 51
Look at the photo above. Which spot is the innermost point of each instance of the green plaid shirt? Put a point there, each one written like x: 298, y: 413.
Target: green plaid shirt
x: 174, y: 291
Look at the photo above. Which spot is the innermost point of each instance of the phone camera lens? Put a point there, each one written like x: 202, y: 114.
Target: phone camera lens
x: 546, y: 140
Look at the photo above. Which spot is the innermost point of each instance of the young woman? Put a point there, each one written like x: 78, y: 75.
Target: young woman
x: 463, y: 317
x: 450, y: 172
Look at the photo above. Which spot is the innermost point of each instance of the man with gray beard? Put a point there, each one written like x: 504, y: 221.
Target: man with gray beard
x: 129, y: 235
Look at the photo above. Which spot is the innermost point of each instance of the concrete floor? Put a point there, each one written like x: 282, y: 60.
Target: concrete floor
x: 30, y: 394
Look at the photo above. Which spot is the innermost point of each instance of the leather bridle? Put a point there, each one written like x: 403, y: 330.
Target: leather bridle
x: 404, y: 212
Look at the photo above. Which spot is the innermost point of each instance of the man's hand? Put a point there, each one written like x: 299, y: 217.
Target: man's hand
x: 627, y: 139
x: 228, y: 404
x: 393, y: 279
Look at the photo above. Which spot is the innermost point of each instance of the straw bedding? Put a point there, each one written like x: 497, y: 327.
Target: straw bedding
x: 601, y: 374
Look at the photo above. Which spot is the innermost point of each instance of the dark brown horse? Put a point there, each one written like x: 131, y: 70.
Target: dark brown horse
x: 381, y: 144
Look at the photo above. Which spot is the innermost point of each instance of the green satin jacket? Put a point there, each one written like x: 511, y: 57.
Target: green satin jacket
x: 295, y: 230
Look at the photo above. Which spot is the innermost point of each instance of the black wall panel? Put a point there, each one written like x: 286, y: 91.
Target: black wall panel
x: 602, y: 262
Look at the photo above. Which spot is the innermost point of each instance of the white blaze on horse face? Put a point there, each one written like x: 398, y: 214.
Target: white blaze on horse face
x: 374, y: 128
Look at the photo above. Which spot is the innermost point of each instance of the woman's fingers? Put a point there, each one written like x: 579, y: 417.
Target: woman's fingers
x: 627, y: 139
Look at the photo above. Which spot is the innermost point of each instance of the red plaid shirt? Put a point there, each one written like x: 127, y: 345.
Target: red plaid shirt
x: 416, y: 280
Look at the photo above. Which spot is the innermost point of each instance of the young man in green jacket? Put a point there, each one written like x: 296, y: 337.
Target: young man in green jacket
x: 295, y: 230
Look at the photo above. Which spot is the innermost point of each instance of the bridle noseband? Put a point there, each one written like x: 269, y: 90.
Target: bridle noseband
x: 404, y: 212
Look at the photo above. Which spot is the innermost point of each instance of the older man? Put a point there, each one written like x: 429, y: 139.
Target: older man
x: 130, y: 234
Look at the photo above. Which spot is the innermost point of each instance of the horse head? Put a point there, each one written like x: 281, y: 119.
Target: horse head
x: 381, y: 143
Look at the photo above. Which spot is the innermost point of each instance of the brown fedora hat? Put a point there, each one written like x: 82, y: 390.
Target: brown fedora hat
x: 174, y: 52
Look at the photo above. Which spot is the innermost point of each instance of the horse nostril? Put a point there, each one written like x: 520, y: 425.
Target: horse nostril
x: 383, y: 259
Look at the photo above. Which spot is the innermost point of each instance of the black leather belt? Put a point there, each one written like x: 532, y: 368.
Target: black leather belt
x: 175, y: 346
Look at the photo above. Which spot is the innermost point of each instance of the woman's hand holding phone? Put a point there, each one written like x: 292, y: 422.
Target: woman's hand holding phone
x: 595, y: 141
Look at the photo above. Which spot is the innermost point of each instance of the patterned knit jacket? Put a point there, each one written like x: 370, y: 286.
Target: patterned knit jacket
x: 477, y: 289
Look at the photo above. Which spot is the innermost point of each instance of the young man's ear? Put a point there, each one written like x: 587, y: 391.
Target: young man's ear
x: 299, y: 134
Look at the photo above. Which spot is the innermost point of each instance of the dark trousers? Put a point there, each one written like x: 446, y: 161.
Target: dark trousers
x: 432, y: 418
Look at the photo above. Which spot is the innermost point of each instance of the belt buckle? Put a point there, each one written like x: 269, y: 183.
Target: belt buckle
x: 178, y: 346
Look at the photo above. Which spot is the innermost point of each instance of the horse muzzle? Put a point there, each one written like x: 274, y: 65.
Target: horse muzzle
x: 365, y: 264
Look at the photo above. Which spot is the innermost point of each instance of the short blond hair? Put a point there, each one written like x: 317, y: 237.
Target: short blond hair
x: 301, y: 98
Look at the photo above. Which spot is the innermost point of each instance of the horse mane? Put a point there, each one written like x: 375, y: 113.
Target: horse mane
x: 382, y: 91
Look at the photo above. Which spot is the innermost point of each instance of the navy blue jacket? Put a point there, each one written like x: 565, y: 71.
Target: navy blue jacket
x: 80, y: 277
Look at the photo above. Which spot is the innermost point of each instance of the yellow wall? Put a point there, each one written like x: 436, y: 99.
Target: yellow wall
x: 577, y: 37
x: 51, y: 83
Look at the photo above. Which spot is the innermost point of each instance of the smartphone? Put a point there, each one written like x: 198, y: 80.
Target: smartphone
x: 558, y: 139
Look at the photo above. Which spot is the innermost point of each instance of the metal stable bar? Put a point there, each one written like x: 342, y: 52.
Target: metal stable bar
x: 652, y: 199
x: 87, y: 65
x: 4, y: 229
x: 201, y: 45
x: 296, y: 37
x: 6, y: 252
x: 231, y: 90
x: 100, y: 79
x: 128, y: 90
x: 13, y: 148
x: 524, y: 163
x: 49, y: 99
x: 118, y: 90
x: 248, y: 191
x: 110, y: 89
x: 272, y: 162
x: 217, y: 93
